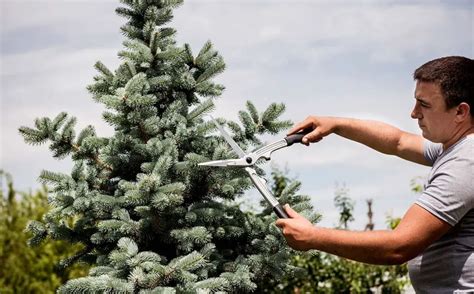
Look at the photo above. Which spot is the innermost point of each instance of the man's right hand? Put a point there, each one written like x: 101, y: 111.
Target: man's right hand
x: 320, y: 126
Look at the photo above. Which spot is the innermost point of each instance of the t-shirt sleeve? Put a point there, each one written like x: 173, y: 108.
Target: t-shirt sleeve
x: 431, y: 150
x: 449, y: 194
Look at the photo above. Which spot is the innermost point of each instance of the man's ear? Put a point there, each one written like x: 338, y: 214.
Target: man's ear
x: 463, y: 112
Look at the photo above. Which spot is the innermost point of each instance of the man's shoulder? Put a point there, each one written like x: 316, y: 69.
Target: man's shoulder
x: 464, y: 149
x: 432, y: 151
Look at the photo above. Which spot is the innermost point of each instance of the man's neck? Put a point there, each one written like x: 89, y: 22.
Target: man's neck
x: 460, y: 134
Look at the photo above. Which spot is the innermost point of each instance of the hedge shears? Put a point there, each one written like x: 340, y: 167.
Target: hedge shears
x: 248, y: 160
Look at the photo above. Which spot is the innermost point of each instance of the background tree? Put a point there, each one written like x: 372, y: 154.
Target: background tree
x: 25, y: 269
x: 345, y: 205
x: 370, y: 224
x: 148, y: 218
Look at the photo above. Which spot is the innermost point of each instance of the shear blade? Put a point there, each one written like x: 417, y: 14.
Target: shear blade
x: 229, y: 139
x: 222, y: 163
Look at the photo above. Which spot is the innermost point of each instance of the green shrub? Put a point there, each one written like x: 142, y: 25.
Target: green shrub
x: 26, y: 269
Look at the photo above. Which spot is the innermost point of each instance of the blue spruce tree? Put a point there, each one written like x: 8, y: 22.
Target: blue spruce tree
x: 149, y: 218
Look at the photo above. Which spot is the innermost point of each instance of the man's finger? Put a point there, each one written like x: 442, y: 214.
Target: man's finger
x: 299, y: 126
x: 293, y: 130
x: 280, y: 223
x: 314, y: 136
x: 291, y: 212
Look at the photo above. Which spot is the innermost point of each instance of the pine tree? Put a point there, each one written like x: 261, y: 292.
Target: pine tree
x: 149, y: 218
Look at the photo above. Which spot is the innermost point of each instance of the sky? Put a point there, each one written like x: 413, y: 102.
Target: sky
x: 328, y: 58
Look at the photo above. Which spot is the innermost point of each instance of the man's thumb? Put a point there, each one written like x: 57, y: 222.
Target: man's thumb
x: 291, y: 212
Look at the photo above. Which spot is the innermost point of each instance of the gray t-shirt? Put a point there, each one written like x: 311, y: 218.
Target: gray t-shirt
x: 447, y: 265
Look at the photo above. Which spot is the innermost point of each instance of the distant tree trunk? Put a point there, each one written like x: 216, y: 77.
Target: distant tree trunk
x: 370, y: 224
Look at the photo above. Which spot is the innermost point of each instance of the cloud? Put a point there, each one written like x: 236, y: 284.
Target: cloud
x: 23, y: 14
x: 319, y: 57
x: 386, y: 32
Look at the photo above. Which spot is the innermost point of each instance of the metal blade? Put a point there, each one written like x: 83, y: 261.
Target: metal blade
x: 222, y: 163
x: 229, y: 139
x: 261, y: 185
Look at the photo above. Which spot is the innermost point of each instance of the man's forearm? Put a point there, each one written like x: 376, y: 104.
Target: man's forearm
x: 374, y: 247
x: 377, y: 135
x: 416, y: 231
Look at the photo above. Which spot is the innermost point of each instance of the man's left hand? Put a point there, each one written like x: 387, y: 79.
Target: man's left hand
x: 298, y: 231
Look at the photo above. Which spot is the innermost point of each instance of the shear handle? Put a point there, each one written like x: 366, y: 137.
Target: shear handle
x: 296, y: 138
x: 280, y: 212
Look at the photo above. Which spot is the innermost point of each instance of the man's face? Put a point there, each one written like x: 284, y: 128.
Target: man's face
x: 436, y: 122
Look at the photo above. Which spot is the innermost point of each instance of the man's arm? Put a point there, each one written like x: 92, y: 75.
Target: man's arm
x: 416, y: 231
x: 377, y: 135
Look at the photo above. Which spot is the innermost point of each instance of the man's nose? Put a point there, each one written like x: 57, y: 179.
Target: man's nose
x: 415, y: 114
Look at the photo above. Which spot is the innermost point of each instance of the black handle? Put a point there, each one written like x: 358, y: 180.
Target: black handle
x: 280, y: 212
x: 296, y: 138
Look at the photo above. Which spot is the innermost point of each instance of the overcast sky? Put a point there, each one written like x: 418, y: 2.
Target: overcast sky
x: 338, y: 58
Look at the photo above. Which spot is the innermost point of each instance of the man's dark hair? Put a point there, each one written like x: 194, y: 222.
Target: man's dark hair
x: 454, y: 75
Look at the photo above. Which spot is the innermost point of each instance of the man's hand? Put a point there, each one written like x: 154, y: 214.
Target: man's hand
x: 297, y: 230
x: 320, y: 126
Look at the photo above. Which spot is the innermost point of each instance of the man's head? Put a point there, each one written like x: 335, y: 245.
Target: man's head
x: 445, y: 97
x: 455, y: 76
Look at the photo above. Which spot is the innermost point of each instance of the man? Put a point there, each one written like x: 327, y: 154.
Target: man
x: 436, y: 235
